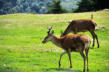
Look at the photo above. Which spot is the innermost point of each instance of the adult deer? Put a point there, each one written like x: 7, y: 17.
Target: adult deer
x: 82, y: 25
x: 74, y: 42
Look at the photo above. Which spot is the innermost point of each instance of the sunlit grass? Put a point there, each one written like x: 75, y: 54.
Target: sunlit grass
x: 21, y: 48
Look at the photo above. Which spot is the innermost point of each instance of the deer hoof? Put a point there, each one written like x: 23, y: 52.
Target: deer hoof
x: 98, y: 46
x: 83, y: 70
x: 70, y: 66
x: 59, y: 65
x: 92, y: 45
x: 87, y: 70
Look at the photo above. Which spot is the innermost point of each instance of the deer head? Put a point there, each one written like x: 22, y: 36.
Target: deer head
x: 49, y: 35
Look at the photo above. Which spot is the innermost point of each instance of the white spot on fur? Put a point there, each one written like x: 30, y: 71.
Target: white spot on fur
x: 87, y: 44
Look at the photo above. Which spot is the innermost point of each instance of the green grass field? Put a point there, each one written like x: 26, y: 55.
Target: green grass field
x: 21, y: 48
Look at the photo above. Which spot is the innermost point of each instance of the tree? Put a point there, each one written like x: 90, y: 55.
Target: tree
x: 6, y: 5
x: 101, y: 4
x: 55, y: 7
x: 85, y: 5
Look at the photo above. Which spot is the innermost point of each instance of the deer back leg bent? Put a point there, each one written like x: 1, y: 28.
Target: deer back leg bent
x: 94, y: 36
x: 69, y: 54
x: 83, y: 55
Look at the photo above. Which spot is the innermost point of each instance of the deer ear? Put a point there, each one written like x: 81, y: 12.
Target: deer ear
x: 52, y: 32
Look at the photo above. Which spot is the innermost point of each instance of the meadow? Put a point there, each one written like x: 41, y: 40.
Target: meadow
x: 21, y: 48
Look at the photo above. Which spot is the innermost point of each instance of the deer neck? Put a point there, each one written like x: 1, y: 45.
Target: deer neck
x: 67, y: 31
x: 57, y: 41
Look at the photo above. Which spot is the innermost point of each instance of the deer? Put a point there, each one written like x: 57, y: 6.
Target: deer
x: 82, y: 25
x: 70, y: 43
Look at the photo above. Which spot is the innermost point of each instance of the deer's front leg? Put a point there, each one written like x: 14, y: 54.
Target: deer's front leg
x: 60, y: 58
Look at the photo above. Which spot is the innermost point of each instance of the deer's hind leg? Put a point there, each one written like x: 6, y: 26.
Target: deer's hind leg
x: 86, y: 51
x: 69, y: 54
x: 94, y: 36
x: 84, y: 57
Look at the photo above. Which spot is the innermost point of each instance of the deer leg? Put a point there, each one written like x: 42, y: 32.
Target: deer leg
x: 97, y: 41
x: 86, y: 51
x: 69, y: 54
x: 82, y: 54
x: 93, y: 41
x: 94, y: 36
x: 60, y: 59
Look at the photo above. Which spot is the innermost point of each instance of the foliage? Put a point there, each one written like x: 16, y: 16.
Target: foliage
x: 23, y: 6
x: 35, y: 6
x: 85, y: 5
x: 56, y: 7
x: 6, y: 5
x: 50, y: 6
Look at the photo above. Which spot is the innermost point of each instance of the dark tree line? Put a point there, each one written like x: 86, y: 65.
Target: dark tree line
x: 24, y: 6
x: 92, y: 5
x: 48, y: 6
x: 56, y: 7
x: 6, y: 5
x: 85, y: 5
x: 101, y: 4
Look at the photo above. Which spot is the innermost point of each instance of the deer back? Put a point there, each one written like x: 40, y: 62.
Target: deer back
x: 82, y: 25
x: 75, y: 41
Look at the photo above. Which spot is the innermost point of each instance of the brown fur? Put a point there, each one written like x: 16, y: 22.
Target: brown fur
x: 74, y: 42
x: 71, y: 41
x: 82, y: 25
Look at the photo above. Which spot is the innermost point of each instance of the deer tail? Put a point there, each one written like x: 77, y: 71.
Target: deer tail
x: 68, y: 21
x: 95, y: 24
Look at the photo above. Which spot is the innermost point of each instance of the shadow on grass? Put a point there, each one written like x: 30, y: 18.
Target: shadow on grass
x: 62, y: 70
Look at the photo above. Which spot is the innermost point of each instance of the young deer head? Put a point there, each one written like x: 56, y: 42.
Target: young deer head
x: 49, y: 35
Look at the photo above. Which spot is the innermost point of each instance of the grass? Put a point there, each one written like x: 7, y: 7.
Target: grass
x: 21, y: 48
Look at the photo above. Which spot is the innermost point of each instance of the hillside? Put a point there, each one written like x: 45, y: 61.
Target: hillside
x: 21, y: 48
